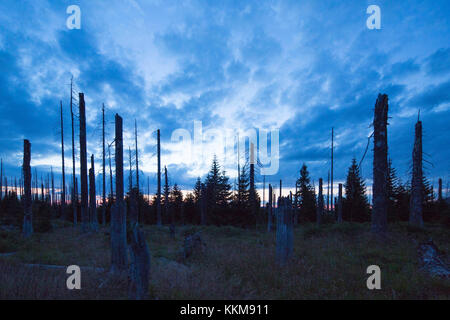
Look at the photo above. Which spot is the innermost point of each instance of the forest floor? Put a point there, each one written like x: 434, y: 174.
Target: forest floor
x: 328, y: 263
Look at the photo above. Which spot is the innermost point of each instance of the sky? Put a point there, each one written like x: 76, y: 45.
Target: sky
x: 298, y: 68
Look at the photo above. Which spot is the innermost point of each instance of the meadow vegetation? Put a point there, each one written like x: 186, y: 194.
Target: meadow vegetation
x: 329, y: 262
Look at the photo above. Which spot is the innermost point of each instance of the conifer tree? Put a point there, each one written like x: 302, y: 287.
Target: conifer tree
x: 356, y: 205
x: 305, y: 195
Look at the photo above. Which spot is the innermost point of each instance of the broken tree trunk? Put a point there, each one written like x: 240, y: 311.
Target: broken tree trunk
x: 104, y: 169
x: 28, y: 213
x: 252, y: 181
x: 118, y: 215
x: 285, y: 232
x: 380, y: 166
x: 74, y: 188
x: 320, y: 203
x: 140, y: 265
x: 83, y: 166
x: 139, y: 255
x: 158, y: 192
x: 432, y: 260
x: 63, y: 194
x: 415, y: 215
x: 269, y: 210
x: 339, y: 208
x: 1, y: 179
x: 92, y: 197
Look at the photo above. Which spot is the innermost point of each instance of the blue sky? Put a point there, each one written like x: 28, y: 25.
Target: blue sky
x: 300, y: 67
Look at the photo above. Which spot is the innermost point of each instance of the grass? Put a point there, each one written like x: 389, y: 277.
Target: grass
x: 328, y: 263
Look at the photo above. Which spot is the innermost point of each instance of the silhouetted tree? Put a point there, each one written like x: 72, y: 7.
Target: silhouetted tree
x: 356, y: 205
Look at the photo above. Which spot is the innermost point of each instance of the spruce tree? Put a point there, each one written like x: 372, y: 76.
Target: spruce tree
x: 306, y: 196
x: 356, y: 205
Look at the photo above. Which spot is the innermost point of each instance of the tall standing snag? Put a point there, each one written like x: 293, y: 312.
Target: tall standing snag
x: 415, y: 215
x: 92, y: 198
x: 83, y: 165
x: 158, y: 192
x: 104, y: 169
x: 285, y: 231
x: 63, y: 195
x: 380, y: 165
x: 74, y: 180
x: 119, y: 259
x: 320, y: 203
x: 28, y: 213
x: 269, y: 211
x: 1, y: 179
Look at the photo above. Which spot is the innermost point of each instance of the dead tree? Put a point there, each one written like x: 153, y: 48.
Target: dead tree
x: 328, y: 192
x: 332, y: 170
x: 440, y: 191
x: 52, y: 202
x: 63, y: 195
x: 1, y: 179
x: 104, y: 168
x: 339, y: 208
x: 92, y: 197
x: 130, y: 176
x: 158, y: 192
x: 74, y: 188
x: 110, y: 176
x: 285, y: 231
x: 83, y: 165
x: 140, y: 265
x: 415, y: 215
x: 139, y: 254
x: 380, y: 165
x: 269, y: 210
x: 320, y: 203
x: 137, y: 156
x: 119, y: 259
x: 252, y: 180
x: 28, y: 213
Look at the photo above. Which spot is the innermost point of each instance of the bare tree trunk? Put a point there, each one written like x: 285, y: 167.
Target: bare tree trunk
x: 440, y: 190
x: 110, y: 175
x: 74, y: 180
x: 139, y: 255
x: 63, y: 196
x: 92, y: 197
x: 415, y: 216
x: 1, y: 179
x: 332, y: 170
x: 284, y: 233
x: 328, y: 192
x: 83, y: 165
x: 269, y: 211
x: 137, y: 168
x: 339, y: 219
x: 320, y: 203
x: 137, y: 155
x: 380, y: 166
x: 28, y: 216
x: 130, y: 177
x: 119, y: 261
x: 252, y: 181
x: 104, y: 169
x: 53, y: 202
x: 158, y: 193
